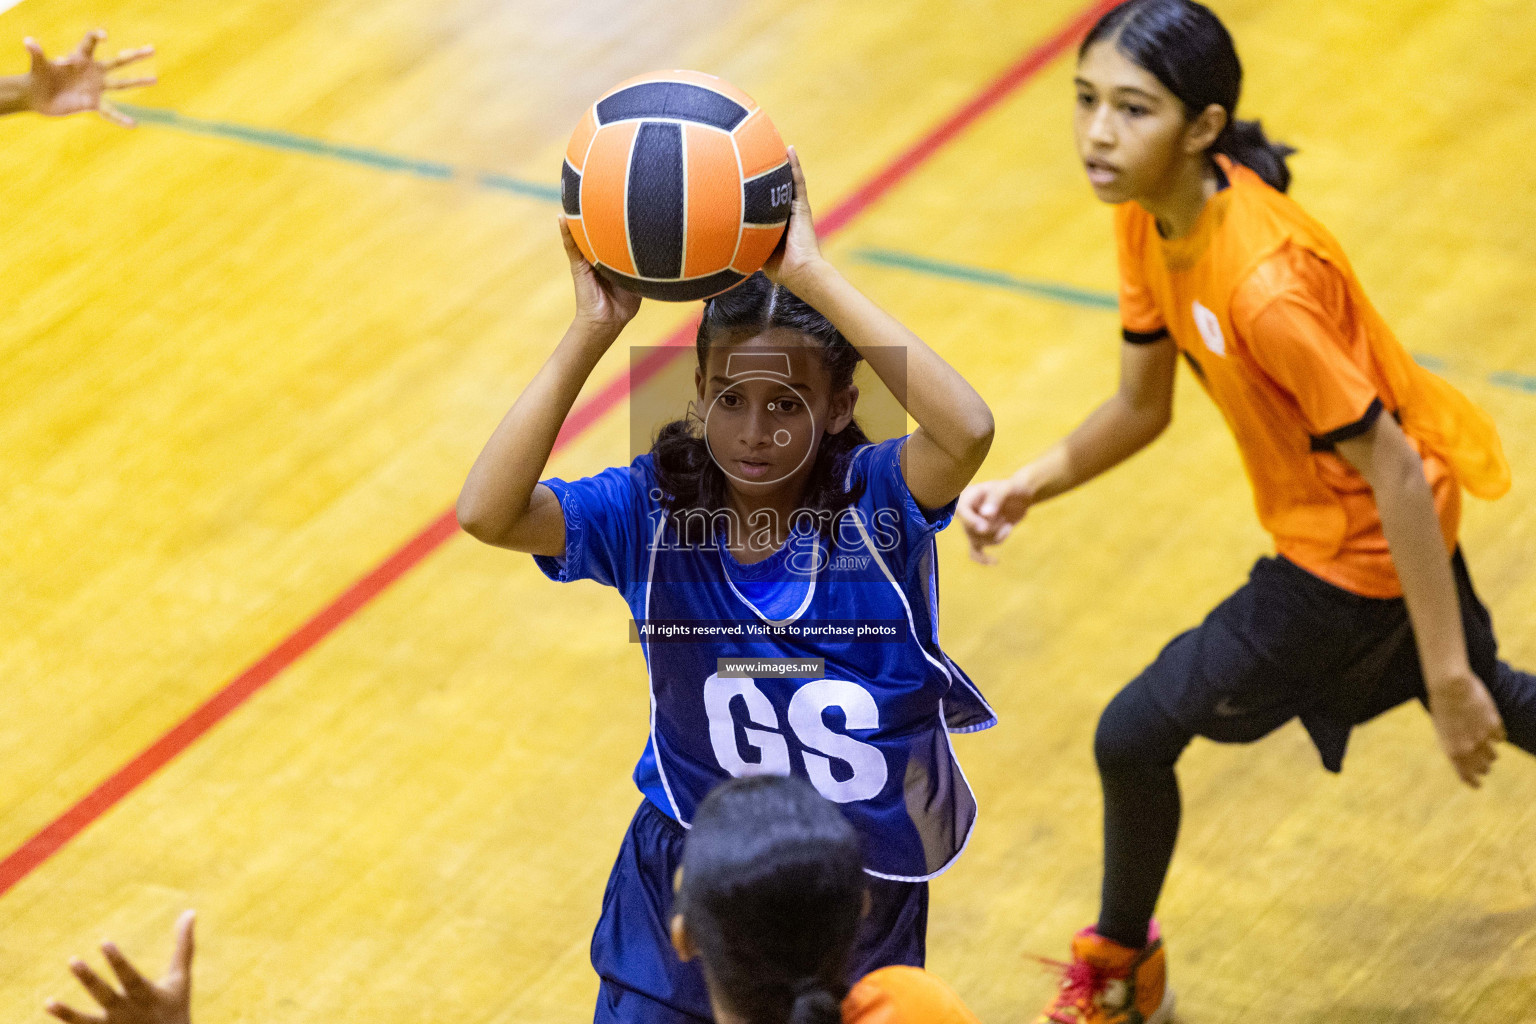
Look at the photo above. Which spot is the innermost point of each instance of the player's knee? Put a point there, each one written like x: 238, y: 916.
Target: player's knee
x: 1133, y: 733
x: 1116, y: 741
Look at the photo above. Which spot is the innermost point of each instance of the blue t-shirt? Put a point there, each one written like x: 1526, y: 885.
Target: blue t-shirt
x: 870, y: 732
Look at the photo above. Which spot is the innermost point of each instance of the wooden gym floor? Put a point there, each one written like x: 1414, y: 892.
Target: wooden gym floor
x: 249, y: 350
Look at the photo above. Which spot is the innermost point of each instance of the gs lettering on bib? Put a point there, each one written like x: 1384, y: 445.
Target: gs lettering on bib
x: 870, y: 731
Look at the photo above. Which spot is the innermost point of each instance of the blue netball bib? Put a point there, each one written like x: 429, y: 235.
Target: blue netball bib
x: 870, y: 731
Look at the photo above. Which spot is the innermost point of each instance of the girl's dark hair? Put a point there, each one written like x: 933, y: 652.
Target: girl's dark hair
x: 772, y: 893
x: 685, y: 472
x: 1187, y: 48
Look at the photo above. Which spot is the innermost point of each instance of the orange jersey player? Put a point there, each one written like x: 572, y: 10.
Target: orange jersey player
x: 1357, y: 457
x: 904, y: 995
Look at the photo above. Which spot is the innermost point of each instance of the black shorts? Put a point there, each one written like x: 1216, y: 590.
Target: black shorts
x: 1289, y: 644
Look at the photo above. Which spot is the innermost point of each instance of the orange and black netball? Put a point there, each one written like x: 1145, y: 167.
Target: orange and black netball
x: 676, y: 185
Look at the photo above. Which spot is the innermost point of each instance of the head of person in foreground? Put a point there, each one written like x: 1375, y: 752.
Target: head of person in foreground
x: 769, y: 899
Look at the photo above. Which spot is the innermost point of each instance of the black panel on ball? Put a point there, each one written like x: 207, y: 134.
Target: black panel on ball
x: 674, y: 291
x: 671, y: 99
x: 769, y: 196
x: 655, y: 200
x: 570, y: 190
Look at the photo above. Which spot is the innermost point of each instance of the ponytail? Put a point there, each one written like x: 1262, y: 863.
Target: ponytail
x: 1186, y: 47
x: 815, y: 1004
x: 1246, y: 143
x: 771, y: 895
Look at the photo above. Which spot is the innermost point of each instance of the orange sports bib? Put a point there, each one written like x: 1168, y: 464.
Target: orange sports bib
x: 1262, y: 302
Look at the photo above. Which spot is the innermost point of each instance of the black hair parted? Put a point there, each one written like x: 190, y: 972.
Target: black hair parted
x: 686, y: 473
x: 771, y: 895
x: 1185, y: 46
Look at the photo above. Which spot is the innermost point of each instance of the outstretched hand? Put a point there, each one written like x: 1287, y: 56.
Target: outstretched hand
x: 1468, y: 725
x: 989, y: 511
x: 168, y: 1001
x: 78, y: 82
x: 600, y: 303
x: 799, y: 252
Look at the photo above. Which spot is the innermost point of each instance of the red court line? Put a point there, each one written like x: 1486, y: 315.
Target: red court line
x: 50, y: 839
x: 1026, y: 68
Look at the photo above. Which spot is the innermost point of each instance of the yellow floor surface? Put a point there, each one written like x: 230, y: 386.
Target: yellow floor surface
x: 239, y: 368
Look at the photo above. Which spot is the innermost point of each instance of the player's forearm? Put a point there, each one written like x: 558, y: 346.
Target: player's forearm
x: 499, y: 487
x: 15, y: 91
x: 1395, y: 471
x: 945, y: 406
x: 1412, y: 529
x: 1111, y: 434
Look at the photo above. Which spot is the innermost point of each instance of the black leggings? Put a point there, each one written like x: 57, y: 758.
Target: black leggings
x: 1286, y: 645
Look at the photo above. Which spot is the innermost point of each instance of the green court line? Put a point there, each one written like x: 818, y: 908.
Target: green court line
x: 533, y: 190
x: 991, y: 278
x: 1518, y: 381
x: 380, y: 161
x: 1522, y: 382
x: 435, y: 171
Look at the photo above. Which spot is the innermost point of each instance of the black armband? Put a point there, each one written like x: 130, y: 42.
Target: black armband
x: 1350, y: 431
x: 1143, y: 337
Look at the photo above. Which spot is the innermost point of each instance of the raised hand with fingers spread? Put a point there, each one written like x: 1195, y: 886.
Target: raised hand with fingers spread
x: 168, y: 1001
x: 73, y: 83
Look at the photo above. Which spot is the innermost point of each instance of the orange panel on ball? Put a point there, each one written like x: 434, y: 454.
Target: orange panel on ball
x: 761, y: 148
x: 714, y: 201
x: 576, y: 150
x: 757, y: 244
x: 603, y: 183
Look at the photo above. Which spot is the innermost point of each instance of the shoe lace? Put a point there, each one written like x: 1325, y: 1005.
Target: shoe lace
x: 1080, y: 982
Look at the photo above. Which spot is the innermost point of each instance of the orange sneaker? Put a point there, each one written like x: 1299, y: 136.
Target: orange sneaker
x: 1107, y: 983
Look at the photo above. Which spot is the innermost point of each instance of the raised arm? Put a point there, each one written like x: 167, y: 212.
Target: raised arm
x: 1129, y: 421
x: 954, y: 425
x: 167, y: 1001
x: 502, y: 502
x: 1465, y: 717
x: 73, y: 83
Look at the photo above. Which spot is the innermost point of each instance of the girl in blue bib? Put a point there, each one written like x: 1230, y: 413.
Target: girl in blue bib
x: 779, y: 569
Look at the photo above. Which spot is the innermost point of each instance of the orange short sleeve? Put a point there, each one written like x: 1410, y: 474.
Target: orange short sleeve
x: 904, y: 995
x: 1294, y: 317
x: 1139, y: 316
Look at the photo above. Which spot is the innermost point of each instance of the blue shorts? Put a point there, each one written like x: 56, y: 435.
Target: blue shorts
x: 643, y: 981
